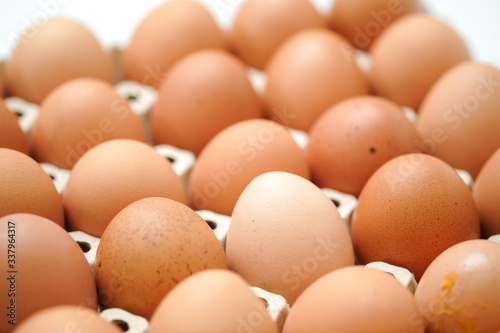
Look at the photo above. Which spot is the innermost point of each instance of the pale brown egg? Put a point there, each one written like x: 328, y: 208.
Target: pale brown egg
x: 354, y: 138
x: 257, y: 31
x: 459, y: 291
x: 79, y: 115
x: 411, y: 209
x: 11, y: 135
x: 45, y: 267
x: 66, y: 318
x: 204, y: 93
x: 113, y: 175
x: 278, y: 209
x: 355, y: 299
x: 53, y: 52
x: 27, y: 188
x: 410, y: 55
x: 459, y: 118
x: 237, y: 155
x: 221, y: 301
x: 310, y: 72
x: 361, y: 22
x: 170, y: 32
x: 486, y: 193
x: 147, y: 249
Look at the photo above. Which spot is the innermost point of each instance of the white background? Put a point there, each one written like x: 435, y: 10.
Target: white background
x: 113, y: 21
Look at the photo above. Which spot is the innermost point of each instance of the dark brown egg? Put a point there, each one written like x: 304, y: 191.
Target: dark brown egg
x: 11, y: 135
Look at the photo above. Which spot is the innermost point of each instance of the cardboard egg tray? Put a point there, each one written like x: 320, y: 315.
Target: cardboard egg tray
x: 142, y: 98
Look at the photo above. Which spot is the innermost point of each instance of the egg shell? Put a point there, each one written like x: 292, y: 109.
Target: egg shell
x: 11, y: 135
x: 65, y: 319
x: 410, y: 55
x: 79, y: 115
x: 459, y: 291
x: 310, y: 72
x: 204, y: 93
x: 52, y: 52
x: 411, y: 209
x: 168, y: 33
x: 352, y: 139
x: 256, y: 42
x: 26, y: 188
x: 147, y: 249
x: 221, y: 301
x: 459, y: 118
x: 113, y: 175
x: 486, y: 193
x: 278, y: 209
x: 238, y: 154
x: 355, y: 299
x: 2, y: 79
x: 49, y: 269
x: 362, y: 22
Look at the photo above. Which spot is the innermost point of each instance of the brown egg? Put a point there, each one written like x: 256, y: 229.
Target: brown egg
x: 204, y: 93
x: 2, y: 79
x: 66, y: 318
x: 354, y: 138
x: 459, y: 118
x: 486, y: 193
x: 278, y: 209
x: 220, y: 300
x: 411, y: 209
x: 168, y: 33
x: 410, y: 55
x: 147, y: 249
x: 44, y: 267
x: 11, y: 135
x: 257, y: 31
x: 310, y: 72
x: 113, y: 175
x: 355, y: 299
x: 27, y: 188
x: 51, y: 53
x: 362, y: 21
x: 79, y: 115
x: 459, y: 291
x: 237, y: 155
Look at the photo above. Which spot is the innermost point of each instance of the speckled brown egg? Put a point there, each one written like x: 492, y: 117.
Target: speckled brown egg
x: 257, y: 31
x: 237, y: 155
x: 113, y: 175
x: 168, y: 33
x: 220, y: 300
x: 65, y: 318
x: 486, y: 193
x: 11, y: 135
x: 310, y: 72
x: 27, y: 188
x: 46, y: 268
x: 410, y: 55
x: 459, y: 291
x: 53, y: 52
x: 204, y: 93
x: 459, y: 118
x: 79, y: 115
x: 147, y: 249
x: 361, y: 22
x: 355, y: 299
x: 354, y: 138
x: 276, y: 210
x: 411, y: 209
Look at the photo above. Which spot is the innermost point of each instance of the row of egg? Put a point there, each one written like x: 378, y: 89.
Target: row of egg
x: 251, y: 146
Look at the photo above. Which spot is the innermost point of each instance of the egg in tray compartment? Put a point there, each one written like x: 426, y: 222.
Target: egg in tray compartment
x: 282, y: 216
